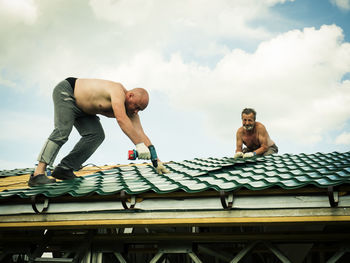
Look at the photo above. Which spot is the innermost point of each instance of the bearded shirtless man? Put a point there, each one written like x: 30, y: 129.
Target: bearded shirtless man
x: 254, y: 136
x: 77, y: 102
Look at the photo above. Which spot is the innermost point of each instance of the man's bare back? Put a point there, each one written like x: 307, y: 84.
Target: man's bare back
x: 94, y: 96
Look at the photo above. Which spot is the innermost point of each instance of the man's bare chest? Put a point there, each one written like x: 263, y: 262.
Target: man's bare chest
x: 250, y: 140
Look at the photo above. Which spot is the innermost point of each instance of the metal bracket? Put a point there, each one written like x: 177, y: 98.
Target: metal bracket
x: 229, y: 204
x: 124, y: 200
x: 333, y: 197
x: 34, y: 205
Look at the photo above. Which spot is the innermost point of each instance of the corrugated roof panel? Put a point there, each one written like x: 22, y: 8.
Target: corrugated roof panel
x: 200, y: 174
x: 15, y: 172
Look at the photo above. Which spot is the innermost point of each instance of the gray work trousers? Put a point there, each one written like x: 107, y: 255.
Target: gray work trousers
x: 67, y: 115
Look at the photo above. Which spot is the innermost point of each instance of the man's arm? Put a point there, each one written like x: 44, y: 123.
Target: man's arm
x: 239, y: 144
x: 263, y: 139
x: 134, y: 133
x: 239, y: 140
x: 125, y: 123
x: 135, y: 120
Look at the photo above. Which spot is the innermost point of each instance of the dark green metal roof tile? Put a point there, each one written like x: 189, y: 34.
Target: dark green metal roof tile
x: 284, y: 176
x: 342, y: 173
x: 302, y: 178
x: 271, y: 173
x: 272, y: 180
x: 296, y: 172
x: 200, y: 174
x: 15, y: 172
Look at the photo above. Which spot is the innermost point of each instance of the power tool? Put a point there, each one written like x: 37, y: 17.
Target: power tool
x: 133, y: 155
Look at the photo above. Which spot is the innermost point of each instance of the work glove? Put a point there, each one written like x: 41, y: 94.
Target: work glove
x: 238, y: 155
x: 161, y: 169
x: 249, y: 155
x: 142, y: 151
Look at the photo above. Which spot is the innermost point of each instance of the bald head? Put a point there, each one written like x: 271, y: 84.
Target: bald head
x: 136, y: 100
x: 142, y: 94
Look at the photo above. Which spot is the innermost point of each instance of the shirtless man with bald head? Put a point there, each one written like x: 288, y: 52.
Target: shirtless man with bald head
x: 77, y: 102
x: 254, y: 136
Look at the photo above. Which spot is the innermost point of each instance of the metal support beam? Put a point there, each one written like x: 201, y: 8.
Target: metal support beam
x: 243, y: 252
x: 39, y: 250
x: 195, y: 229
x: 217, y: 254
x: 53, y: 260
x: 157, y: 257
x: 194, y: 257
x: 86, y: 259
x: 338, y: 254
x: 277, y: 252
x: 84, y: 250
x: 271, y: 247
x: 176, y: 249
x: 96, y: 257
x: 119, y: 257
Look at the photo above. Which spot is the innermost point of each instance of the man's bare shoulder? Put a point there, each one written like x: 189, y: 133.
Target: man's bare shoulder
x: 240, y: 131
x: 259, y: 126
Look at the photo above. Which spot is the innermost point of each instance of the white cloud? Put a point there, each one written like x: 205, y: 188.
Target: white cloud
x: 124, y: 12
x: 343, y: 138
x: 81, y: 44
x: 342, y: 4
x: 291, y: 80
x: 186, y: 19
x: 23, y: 10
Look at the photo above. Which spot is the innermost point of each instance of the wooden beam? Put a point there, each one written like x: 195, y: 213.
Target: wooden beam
x: 112, y: 242
x: 203, y: 221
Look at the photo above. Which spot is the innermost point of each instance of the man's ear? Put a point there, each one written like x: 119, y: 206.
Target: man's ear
x: 128, y: 96
x: 131, y: 94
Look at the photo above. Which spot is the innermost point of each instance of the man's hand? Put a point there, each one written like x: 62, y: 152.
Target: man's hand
x: 142, y: 151
x: 238, y: 155
x: 249, y: 155
x: 161, y: 169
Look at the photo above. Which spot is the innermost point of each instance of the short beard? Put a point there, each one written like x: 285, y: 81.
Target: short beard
x: 248, y: 127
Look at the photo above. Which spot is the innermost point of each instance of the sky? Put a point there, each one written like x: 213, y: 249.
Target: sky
x: 201, y: 61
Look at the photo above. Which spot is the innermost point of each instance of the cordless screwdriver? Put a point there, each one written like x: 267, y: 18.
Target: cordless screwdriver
x: 133, y: 155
